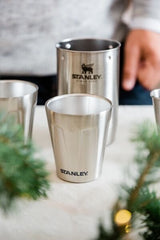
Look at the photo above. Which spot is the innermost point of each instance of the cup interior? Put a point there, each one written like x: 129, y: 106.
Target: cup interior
x: 88, y: 44
x: 16, y: 88
x: 78, y: 104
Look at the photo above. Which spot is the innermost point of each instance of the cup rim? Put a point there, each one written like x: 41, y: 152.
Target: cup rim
x: 67, y: 40
x: 19, y: 81
x: 78, y: 95
x: 152, y: 93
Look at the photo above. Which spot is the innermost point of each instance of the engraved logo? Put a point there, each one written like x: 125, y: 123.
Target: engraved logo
x: 73, y: 173
x: 86, y: 74
x: 87, y: 68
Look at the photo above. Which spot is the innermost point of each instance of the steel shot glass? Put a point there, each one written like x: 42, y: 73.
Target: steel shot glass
x: 155, y: 95
x: 90, y: 66
x: 78, y: 125
x: 19, y: 98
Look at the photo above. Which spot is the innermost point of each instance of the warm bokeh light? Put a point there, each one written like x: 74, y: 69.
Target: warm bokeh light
x: 122, y: 217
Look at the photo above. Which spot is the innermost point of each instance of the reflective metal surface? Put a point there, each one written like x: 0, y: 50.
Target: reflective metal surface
x: 78, y: 126
x: 90, y: 66
x: 19, y: 98
x: 155, y: 94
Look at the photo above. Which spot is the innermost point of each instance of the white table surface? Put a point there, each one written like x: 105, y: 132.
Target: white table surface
x: 72, y: 211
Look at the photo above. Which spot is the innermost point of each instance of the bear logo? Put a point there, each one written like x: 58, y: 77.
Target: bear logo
x: 87, y: 68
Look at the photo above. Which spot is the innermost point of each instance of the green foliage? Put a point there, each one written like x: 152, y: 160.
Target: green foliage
x: 150, y: 210
x: 104, y: 235
x: 21, y: 173
x: 139, y: 199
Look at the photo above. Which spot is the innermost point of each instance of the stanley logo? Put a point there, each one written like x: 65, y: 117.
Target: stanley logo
x: 87, y: 68
x: 73, y: 173
x: 87, y: 73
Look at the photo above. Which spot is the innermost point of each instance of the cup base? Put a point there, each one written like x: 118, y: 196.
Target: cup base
x: 77, y: 179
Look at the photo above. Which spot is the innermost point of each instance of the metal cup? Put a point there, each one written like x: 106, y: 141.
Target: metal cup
x: 19, y: 98
x: 90, y: 66
x: 78, y: 126
x: 155, y: 94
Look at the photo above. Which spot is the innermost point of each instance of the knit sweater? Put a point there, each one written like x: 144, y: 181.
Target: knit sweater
x: 30, y: 29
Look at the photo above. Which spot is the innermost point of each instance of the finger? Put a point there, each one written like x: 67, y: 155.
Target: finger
x: 149, y: 71
x: 130, y: 69
x: 149, y: 75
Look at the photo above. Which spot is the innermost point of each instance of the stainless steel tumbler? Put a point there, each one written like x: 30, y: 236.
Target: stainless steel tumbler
x: 155, y: 94
x: 78, y: 126
x: 19, y: 98
x: 90, y: 66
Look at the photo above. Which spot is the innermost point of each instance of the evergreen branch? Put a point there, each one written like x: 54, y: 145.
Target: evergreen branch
x: 135, y: 192
x: 21, y: 173
x: 140, y: 200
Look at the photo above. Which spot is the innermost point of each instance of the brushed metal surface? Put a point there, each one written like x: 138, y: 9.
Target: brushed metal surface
x: 90, y: 66
x: 78, y: 126
x: 155, y: 95
x: 19, y: 98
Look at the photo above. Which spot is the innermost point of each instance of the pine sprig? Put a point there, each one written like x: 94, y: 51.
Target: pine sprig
x: 139, y: 200
x: 108, y: 235
x: 21, y: 173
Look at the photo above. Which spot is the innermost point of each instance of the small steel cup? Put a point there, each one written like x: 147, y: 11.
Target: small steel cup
x: 78, y: 125
x: 19, y: 98
x: 155, y: 94
x: 89, y: 65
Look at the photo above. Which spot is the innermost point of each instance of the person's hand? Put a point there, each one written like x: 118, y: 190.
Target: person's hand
x: 141, y: 60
